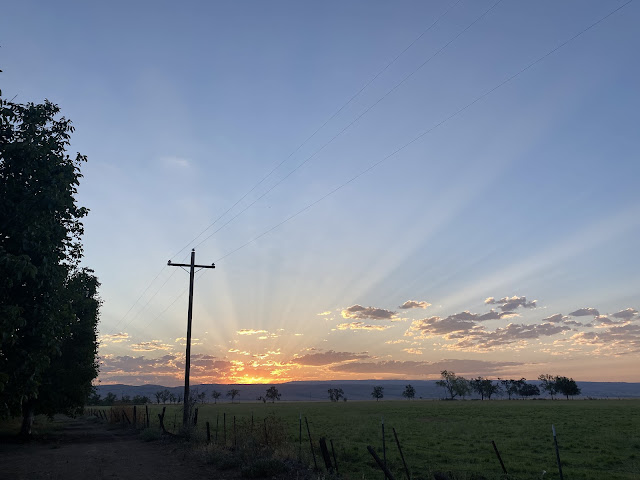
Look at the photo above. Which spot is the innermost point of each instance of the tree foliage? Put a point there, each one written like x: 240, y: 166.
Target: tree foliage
x: 378, y: 392
x: 454, y: 384
x: 233, y: 393
x: 273, y: 394
x: 409, y: 392
x: 335, y: 394
x: 485, y: 387
x: 48, y: 304
x: 216, y: 395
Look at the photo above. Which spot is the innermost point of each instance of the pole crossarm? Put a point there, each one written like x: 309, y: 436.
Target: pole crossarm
x: 192, y: 266
x: 213, y: 265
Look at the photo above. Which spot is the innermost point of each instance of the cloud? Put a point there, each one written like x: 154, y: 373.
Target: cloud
x: 361, y: 326
x: 114, y: 338
x: 363, y: 313
x: 508, y: 304
x: 626, y: 314
x: 324, y: 314
x: 175, y: 162
x: 512, y: 333
x: 442, y: 326
x: 151, y: 346
x: 250, y: 331
x: 555, y: 318
x: 414, y: 304
x: 327, y: 358
x: 584, y: 312
x: 413, y: 369
x: 413, y: 351
x: 615, y: 340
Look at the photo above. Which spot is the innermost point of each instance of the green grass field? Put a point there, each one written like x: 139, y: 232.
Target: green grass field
x: 598, y: 439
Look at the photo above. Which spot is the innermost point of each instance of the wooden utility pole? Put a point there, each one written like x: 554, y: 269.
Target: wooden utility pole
x: 192, y: 266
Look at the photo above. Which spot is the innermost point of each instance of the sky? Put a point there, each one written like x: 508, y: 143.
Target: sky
x: 387, y: 189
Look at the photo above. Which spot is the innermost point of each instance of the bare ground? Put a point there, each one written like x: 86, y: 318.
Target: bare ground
x: 84, y: 449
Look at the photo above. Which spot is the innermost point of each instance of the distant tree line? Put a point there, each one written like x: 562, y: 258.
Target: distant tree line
x: 457, y: 386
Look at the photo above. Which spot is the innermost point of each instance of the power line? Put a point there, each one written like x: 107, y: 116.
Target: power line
x: 353, y: 122
x: 429, y: 130
x: 335, y: 114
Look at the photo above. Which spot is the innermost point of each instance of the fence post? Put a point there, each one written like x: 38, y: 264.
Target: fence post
x: 147, y: 410
x: 315, y: 464
x: 406, y: 469
x: 208, y: 434
x: 499, y: 457
x: 382, y: 466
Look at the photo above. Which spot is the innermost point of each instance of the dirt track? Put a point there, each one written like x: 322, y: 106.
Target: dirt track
x: 83, y: 449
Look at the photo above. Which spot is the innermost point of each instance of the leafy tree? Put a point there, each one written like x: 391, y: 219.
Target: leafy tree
x: 48, y: 304
x: 512, y: 387
x: 158, y: 396
x: 409, y: 392
x: 110, y: 399
x: 335, y: 394
x: 453, y: 384
x: 273, y: 394
x: 484, y: 387
x: 528, y: 389
x: 233, y: 393
x: 125, y: 399
x: 94, y: 398
x: 566, y: 386
x: 140, y: 400
x: 201, y: 397
x: 216, y: 395
x: 165, y: 395
x: 548, y: 384
x: 378, y: 392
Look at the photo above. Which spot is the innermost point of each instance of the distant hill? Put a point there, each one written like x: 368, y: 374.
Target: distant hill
x: 353, y: 390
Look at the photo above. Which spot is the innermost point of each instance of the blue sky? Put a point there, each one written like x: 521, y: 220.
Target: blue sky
x: 527, y: 194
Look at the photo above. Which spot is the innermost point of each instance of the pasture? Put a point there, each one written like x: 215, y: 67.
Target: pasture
x: 598, y: 439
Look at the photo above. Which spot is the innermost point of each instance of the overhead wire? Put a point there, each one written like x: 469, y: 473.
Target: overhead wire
x: 429, y: 130
x: 353, y: 122
x: 273, y: 170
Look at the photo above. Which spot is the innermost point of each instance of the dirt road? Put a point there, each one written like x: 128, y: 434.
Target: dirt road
x: 83, y: 449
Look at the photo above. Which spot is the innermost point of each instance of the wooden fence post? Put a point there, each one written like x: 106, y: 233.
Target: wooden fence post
x: 315, y: 464
x: 146, y: 407
x: 325, y: 454
x: 406, y: 469
x: 382, y: 466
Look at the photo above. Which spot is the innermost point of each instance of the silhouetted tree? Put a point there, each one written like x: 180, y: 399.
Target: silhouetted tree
x: 216, y: 395
x: 453, y: 384
x: 273, y: 394
x: 528, y: 389
x: 484, y: 387
x: 409, y: 392
x: 335, y: 394
x: 548, y: 384
x: 567, y: 386
x: 233, y: 393
x: 48, y: 304
x: 110, y: 399
x: 378, y: 392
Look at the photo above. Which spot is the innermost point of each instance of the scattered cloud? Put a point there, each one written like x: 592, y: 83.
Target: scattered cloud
x: 414, y: 304
x: 512, y: 333
x: 584, y: 312
x: 114, y: 338
x: 433, y: 326
x: 413, y: 369
x: 361, y: 326
x: 175, y: 162
x: 508, y: 304
x: 359, y: 312
x: 151, y: 346
x: 413, y: 351
x: 626, y: 314
x: 328, y: 358
x: 324, y: 314
x: 250, y: 331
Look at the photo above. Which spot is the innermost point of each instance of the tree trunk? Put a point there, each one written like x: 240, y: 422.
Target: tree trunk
x: 27, y: 419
